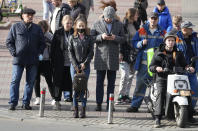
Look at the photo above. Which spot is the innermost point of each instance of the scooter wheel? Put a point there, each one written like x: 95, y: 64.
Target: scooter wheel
x: 181, y: 115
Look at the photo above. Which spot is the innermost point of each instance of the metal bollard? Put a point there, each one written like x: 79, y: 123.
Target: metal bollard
x: 42, y: 102
x: 110, y: 111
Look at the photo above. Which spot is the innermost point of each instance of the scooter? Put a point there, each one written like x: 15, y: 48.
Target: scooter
x: 178, y: 97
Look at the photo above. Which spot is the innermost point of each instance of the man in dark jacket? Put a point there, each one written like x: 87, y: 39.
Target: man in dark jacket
x: 166, y: 56
x: 76, y: 8
x: 25, y: 42
x: 60, y: 10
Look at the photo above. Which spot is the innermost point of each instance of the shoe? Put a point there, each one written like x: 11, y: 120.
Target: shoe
x: 67, y: 100
x: 192, y: 120
x: 26, y: 107
x: 57, y: 106
x: 53, y: 102
x: 76, y: 112
x: 132, y: 109
x: 83, y: 112
x: 98, y: 107
x: 12, y: 107
x: 157, y: 123
x: 37, y: 101
x: 195, y: 113
x: 127, y: 99
x: 120, y: 100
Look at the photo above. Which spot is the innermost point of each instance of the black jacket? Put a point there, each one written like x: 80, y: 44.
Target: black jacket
x: 25, y: 43
x: 76, y: 10
x: 81, y: 51
x: 65, y: 10
x: 166, y: 60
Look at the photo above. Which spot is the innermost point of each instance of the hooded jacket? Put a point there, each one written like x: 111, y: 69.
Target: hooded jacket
x: 165, y: 20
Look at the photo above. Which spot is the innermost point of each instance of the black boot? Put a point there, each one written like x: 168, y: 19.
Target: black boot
x: 157, y: 123
x: 98, y: 107
x: 76, y: 112
x: 83, y: 112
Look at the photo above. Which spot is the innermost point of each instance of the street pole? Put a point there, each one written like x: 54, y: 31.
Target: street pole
x: 110, y: 111
x: 42, y: 102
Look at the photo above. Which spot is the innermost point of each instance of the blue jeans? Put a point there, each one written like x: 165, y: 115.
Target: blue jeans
x: 17, y: 71
x: 140, y: 88
x: 83, y: 99
x: 111, y: 77
x: 47, y: 7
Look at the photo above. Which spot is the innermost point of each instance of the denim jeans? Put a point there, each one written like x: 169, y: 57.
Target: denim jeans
x: 17, y: 71
x: 47, y: 7
x: 194, y: 87
x: 111, y: 77
x: 83, y: 99
x: 140, y: 88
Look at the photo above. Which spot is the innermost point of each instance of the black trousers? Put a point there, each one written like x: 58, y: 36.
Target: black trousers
x: 44, y: 69
x: 160, y: 98
x: 63, y: 84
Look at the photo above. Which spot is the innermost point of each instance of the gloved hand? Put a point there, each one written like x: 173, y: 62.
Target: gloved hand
x: 40, y: 57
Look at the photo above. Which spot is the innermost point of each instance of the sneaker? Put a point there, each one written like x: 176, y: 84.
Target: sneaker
x: 53, y: 102
x: 37, y: 101
x: 120, y: 100
x: 98, y: 107
x: 127, y: 99
x: 57, y: 106
x: 157, y: 123
x: 26, y: 107
x: 67, y: 100
x: 132, y: 109
x: 12, y: 108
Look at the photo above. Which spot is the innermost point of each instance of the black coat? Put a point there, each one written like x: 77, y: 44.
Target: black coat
x: 25, y: 43
x: 164, y: 60
x: 76, y: 10
x: 58, y: 47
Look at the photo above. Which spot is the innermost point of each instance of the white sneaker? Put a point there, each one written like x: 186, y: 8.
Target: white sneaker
x: 53, y: 102
x: 37, y: 101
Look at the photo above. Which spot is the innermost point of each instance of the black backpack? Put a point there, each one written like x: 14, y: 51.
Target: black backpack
x: 80, y: 84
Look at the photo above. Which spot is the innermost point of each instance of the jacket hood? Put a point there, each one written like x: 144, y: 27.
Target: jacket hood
x: 164, y: 12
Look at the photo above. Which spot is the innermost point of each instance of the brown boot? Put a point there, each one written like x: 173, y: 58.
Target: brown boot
x: 83, y: 112
x: 76, y: 112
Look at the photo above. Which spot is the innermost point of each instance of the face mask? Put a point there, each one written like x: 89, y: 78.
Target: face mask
x: 81, y: 30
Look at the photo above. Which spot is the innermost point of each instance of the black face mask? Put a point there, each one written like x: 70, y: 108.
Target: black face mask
x: 81, y: 30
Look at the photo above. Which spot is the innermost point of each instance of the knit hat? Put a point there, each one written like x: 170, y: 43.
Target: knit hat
x: 109, y: 12
x: 172, y: 33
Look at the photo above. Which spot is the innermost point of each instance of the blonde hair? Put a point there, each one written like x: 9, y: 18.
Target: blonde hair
x: 177, y: 19
x: 66, y: 18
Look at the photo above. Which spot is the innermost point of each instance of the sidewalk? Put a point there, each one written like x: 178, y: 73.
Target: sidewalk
x: 122, y: 119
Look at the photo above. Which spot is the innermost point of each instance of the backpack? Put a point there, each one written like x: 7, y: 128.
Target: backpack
x: 80, y: 84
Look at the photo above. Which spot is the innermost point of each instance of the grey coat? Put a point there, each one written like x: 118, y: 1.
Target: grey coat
x: 107, y: 52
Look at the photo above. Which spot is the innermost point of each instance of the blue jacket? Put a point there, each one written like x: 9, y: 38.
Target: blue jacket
x: 165, y: 20
x: 25, y: 44
x: 154, y: 40
x: 181, y: 45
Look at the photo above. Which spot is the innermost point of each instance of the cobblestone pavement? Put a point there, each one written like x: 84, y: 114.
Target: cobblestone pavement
x: 122, y: 119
